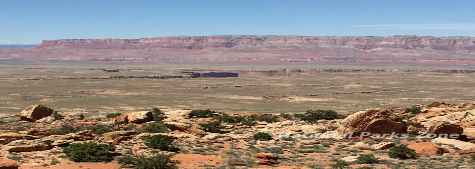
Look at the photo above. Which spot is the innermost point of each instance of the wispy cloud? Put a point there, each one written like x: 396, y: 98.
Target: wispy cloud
x: 420, y: 27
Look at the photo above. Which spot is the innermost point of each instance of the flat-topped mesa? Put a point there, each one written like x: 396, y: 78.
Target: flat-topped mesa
x: 203, y: 42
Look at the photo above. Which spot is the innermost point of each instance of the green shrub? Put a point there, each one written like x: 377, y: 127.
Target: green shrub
x: 157, y: 161
x: 99, y: 128
x: 89, y: 152
x: 64, y: 129
x: 156, y: 127
x: 402, y: 152
x: 57, y: 116
x: 161, y: 142
x: 249, y: 121
x: 203, y: 113
x: 263, y: 136
x: 414, y: 110
x: 244, y: 120
x: 312, y: 116
x: 367, y: 159
x: 340, y: 164
x: 212, y: 127
x: 113, y: 115
x: 157, y: 114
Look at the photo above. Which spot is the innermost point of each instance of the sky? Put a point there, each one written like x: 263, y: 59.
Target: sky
x: 30, y: 21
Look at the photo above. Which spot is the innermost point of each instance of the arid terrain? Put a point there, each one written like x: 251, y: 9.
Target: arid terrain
x: 287, y: 102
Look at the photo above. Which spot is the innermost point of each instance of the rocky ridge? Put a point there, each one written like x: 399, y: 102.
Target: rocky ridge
x: 420, y: 136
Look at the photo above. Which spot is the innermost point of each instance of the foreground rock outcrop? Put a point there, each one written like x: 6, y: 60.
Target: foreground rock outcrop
x: 35, y: 112
x: 205, y: 138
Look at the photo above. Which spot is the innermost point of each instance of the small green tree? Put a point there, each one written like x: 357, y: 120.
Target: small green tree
x: 263, y: 136
x: 367, y: 159
x: 89, y: 152
x: 401, y: 152
x: 161, y: 142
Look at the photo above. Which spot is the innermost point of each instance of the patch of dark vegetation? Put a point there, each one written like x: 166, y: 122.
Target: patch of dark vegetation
x: 367, y: 159
x: 213, y: 127
x: 401, y: 152
x: 98, y: 128
x: 157, y: 161
x: 312, y: 116
x: 113, y: 115
x: 414, y: 110
x: 203, y: 113
x: 156, y: 127
x: 89, y: 152
x: 262, y: 136
x: 340, y: 164
x: 157, y: 114
x: 57, y: 116
x: 64, y: 129
x: 161, y: 142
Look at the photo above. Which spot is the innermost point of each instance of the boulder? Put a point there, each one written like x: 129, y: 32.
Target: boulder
x: 426, y: 148
x: 373, y: 121
x: 8, y: 164
x: 462, y: 145
x: 35, y: 112
x: 27, y: 146
x: 267, y: 158
x: 135, y: 117
x: 350, y: 159
x: 7, y: 137
x: 445, y: 128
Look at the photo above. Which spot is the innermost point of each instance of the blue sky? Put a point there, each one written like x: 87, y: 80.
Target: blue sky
x: 30, y: 21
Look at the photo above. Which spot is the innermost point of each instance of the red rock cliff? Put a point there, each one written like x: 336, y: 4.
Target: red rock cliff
x: 202, y: 42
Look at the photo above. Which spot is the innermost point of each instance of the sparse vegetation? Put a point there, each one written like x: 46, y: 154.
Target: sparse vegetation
x: 89, y: 152
x: 157, y: 161
x: 312, y: 116
x: 340, y: 164
x: 262, y: 136
x: 367, y: 159
x: 414, y: 110
x: 203, y: 113
x: 113, y: 115
x: 99, y: 128
x: 157, y: 114
x: 161, y: 142
x: 213, y: 127
x: 269, y: 118
x: 64, y: 129
x: 156, y: 127
x: 57, y: 116
x: 401, y: 152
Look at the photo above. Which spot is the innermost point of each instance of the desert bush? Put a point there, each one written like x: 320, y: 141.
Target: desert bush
x: 203, y: 113
x: 99, y: 128
x: 312, y: 116
x: 156, y: 127
x: 64, y: 129
x: 414, y: 110
x: 157, y: 114
x: 89, y: 152
x: 157, y: 161
x: 249, y: 121
x: 161, y: 142
x: 401, y: 152
x: 367, y: 159
x: 113, y: 115
x: 263, y: 136
x: 57, y: 116
x: 212, y: 127
x: 230, y: 119
x: 340, y: 164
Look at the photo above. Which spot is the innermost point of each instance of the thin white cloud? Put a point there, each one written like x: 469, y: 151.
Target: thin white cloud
x: 420, y: 27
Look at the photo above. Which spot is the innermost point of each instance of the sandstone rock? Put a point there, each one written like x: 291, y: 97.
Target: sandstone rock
x: 35, y: 112
x: 135, y: 117
x: 462, y: 145
x: 267, y: 158
x: 181, y: 126
x: 445, y: 128
x: 373, y: 121
x: 27, y: 146
x: 117, y: 136
x: 350, y: 159
x: 8, y: 164
x: 469, y: 132
x: 426, y: 148
x: 7, y: 137
x: 382, y: 146
x: 362, y: 146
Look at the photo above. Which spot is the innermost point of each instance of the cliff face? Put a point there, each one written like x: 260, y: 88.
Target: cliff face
x: 243, y: 42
